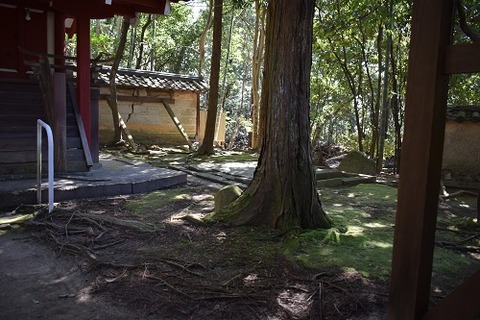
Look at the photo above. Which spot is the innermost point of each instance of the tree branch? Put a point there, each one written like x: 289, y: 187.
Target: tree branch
x: 462, y: 17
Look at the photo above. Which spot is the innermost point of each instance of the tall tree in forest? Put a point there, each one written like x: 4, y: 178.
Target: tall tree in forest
x: 386, y: 99
x: 112, y: 98
x: 203, y: 37
x: 207, y: 144
x: 257, y: 58
x: 138, y: 64
x: 282, y: 193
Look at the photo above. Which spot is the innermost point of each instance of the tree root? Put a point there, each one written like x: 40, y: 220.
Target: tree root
x: 131, y: 224
x: 193, y: 220
x: 457, y: 193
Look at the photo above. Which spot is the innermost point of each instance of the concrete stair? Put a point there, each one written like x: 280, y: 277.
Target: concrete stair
x: 21, y: 104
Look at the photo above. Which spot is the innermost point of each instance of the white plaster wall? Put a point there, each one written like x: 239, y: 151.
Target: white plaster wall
x: 150, y: 123
x: 461, y: 152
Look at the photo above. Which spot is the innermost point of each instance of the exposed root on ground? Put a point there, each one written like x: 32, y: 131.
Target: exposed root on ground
x: 209, y: 287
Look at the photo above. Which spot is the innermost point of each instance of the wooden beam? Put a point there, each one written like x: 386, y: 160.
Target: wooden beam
x: 59, y: 42
x: 60, y: 123
x: 177, y: 124
x: 140, y: 99
x: 83, y: 71
x: 462, y: 58
x: 84, y: 8
x: 157, y: 5
x: 461, y: 304
x: 126, y: 133
x: 426, y: 101
x: 94, y: 8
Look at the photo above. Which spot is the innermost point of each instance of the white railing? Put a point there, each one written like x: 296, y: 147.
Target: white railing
x: 47, y: 128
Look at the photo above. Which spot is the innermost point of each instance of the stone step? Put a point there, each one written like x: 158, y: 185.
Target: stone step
x: 334, y: 182
x: 349, y: 180
x: 323, y: 174
x: 359, y: 179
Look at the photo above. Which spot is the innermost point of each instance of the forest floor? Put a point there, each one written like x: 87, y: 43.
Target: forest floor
x: 148, y: 257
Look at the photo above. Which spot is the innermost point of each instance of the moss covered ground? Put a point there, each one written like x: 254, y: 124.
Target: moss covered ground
x: 362, y: 237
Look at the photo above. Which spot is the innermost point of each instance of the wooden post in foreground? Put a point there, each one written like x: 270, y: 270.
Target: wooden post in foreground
x: 426, y: 102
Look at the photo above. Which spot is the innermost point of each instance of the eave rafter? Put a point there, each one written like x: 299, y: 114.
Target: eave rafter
x: 94, y: 8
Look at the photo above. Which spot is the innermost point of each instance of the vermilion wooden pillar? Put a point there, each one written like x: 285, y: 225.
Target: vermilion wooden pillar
x: 83, y: 71
x: 60, y: 41
x: 426, y: 102
x: 59, y: 96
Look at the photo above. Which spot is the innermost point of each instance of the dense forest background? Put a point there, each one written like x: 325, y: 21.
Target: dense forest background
x: 358, y: 75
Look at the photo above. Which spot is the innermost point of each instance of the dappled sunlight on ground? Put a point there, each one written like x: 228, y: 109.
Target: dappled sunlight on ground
x: 158, y: 257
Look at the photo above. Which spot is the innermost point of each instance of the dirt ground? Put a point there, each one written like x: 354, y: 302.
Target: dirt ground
x: 102, y: 258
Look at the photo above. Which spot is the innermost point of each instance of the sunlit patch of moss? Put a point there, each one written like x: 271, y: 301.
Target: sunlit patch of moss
x: 163, y: 159
x: 372, y: 193
x: 351, y: 247
x: 153, y: 201
x: 450, y: 268
x: 362, y: 239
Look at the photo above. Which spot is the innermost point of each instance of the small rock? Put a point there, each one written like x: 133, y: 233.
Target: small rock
x: 357, y: 162
x: 226, y: 195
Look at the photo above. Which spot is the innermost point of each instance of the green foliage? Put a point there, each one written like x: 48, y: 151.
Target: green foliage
x: 464, y: 89
x: 349, y: 47
x: 168, y: 42
x: 472, y: 15
x: 347, y: 73
x: 175, y: 47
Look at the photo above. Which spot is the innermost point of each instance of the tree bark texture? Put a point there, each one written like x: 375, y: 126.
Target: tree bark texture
x: 283, y: 192
x: 138, y: 64
x: 207, y: 144
x: 203, y: 37
x: 112, y: 99
x: 257, y: 58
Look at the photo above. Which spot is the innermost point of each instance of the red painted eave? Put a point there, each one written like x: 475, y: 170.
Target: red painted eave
x: 93, y: 9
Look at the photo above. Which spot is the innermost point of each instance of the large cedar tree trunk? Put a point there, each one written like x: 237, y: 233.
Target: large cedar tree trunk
x: 283, y: 194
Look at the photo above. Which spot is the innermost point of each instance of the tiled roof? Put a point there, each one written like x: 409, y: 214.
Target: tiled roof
x: 463, y: 113
x: 152, y: 80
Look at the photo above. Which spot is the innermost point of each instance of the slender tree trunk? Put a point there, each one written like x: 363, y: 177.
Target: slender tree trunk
x: 379, y: 89
x: 133, y: 37
x: 203, y: 37
x: 386, y: 101
x: 396, y: 111
x: 207, y: 144
x: 283, y: 193
x: 257, y: 58
x: 240, y: 118
x: 225, y: 91
x: 371, y: 100
x: 355, y: 86
x: 469, y: 32
x: 112, y: 99
x: 152, y: 49
x: 138, y: 64
x: 354, y: 90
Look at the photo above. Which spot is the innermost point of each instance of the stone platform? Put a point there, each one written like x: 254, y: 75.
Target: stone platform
x: 113, y: 176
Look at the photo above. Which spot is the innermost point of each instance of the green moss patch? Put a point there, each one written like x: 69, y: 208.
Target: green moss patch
x: 362, y: 237
x: 155, y: 201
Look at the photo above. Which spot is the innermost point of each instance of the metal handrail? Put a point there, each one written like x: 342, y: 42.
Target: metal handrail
x: 47, y: 128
